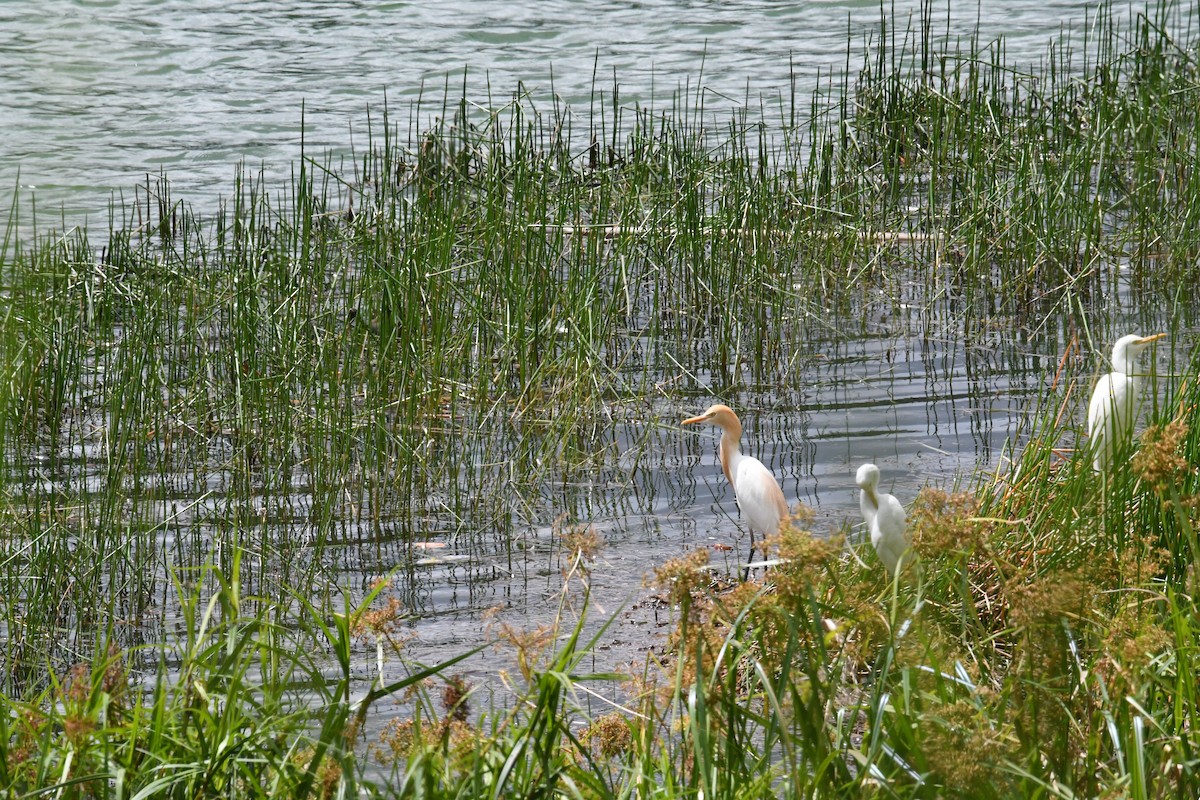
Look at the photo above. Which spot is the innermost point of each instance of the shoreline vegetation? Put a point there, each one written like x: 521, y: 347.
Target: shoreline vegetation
x: 200, y: 411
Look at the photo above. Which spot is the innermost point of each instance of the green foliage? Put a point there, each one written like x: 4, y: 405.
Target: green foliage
x: 197, y: 414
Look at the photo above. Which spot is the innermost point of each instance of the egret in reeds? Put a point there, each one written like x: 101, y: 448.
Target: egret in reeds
x: 1113, y: 407
x: 758, y: 494
x: 885, y: 518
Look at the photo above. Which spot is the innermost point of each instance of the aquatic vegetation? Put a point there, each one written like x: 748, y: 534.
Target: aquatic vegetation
x: 210, y: 421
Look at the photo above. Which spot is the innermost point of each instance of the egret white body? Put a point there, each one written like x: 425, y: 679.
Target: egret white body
x: 885, y: 519
x: 1114, y: 404
x: 758, y: 494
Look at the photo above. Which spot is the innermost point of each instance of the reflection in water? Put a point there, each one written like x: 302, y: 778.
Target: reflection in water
x: 928, y: 409
x: 925, y: 388
x: 928, y: 384
x: 196, y: 87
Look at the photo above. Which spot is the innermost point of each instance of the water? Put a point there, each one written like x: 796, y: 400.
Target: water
x: 99, y: 94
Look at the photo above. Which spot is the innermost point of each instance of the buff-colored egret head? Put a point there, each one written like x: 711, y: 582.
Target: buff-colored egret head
x: 720, y: 415
x: 723, y: 417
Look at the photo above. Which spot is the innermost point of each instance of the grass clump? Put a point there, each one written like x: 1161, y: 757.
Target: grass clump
x: 234, y: 712
x: 209, y: 424
x: 1030, y: 653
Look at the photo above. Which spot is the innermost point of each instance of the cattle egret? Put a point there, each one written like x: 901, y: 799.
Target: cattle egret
x: 1113, y: 407
x: 758, y: 494
x: 885, y: 518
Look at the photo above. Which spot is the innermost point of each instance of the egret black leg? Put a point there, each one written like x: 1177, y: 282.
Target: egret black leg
x: 746, y: 571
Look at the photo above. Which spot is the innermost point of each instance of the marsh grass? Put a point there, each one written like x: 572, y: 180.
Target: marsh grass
x: 203, y: 413
x: 1042, y: 647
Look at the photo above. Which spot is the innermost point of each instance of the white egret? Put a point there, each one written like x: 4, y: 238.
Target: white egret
x: 885, y: 518
x: 1113, y: 408
x: 757, y: 492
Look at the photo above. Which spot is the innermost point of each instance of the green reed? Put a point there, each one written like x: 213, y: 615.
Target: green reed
x: 202, y: 412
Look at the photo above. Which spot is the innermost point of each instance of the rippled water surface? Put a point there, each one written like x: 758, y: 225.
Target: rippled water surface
x: 96, y: 95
